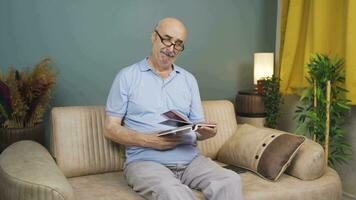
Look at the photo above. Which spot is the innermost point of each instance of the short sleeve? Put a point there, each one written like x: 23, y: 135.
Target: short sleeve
x: 196, y: 111
x: 116, y: 104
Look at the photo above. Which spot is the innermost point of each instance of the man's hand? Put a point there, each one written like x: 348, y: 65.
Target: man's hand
x: 205, y: 132
x: 117, y: 133
x: 162, y: 142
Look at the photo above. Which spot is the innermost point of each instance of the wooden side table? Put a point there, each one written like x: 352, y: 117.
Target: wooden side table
x: 250, y: 108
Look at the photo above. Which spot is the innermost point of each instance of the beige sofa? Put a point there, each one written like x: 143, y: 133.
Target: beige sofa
x: 88, y: 166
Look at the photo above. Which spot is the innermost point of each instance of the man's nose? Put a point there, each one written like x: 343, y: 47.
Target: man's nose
x: 171, y: 48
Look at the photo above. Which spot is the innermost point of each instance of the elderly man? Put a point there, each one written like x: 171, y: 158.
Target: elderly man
x: 164, y: 167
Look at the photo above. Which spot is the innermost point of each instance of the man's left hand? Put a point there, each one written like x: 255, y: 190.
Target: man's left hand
x: 205, y: 132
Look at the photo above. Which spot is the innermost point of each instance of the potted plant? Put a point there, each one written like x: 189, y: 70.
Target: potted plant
x: 272, y: 98
x: 323, y: 108
x: 24, y: 97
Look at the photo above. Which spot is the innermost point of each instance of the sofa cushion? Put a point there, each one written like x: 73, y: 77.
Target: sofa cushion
x: 264, y: 151
x: 327, y: 187
x: 111, y: 186
x: 80, y: 148
x: 107, y: 186
x: 221, y: 112
x: 78, y: 142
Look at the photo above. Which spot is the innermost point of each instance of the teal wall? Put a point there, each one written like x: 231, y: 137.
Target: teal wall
x: 90, y: 40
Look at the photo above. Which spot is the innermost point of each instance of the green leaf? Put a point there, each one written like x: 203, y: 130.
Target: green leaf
x: 322, y: 68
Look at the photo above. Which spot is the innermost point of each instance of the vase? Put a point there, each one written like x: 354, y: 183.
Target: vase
x: 9, y: 136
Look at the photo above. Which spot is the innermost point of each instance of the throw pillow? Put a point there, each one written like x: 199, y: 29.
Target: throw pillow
x: 309, y: 162
x: 267, y: 152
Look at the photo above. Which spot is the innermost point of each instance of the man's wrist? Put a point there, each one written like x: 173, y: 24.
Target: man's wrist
x: 142, y: 140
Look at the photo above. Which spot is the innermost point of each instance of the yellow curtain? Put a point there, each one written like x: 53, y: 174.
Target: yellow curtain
x: 316, y: 26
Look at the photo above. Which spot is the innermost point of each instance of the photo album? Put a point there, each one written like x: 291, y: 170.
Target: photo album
x: 180, y: 124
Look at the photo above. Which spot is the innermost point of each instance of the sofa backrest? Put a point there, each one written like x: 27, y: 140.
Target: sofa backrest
x: 78, y: 143
x: 221, y: 112
x: 80, y: 148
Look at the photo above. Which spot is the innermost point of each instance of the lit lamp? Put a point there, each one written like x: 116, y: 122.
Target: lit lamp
x: 263, y: 67
x: 250, y: 107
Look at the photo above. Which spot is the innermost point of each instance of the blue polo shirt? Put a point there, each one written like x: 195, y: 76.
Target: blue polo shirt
x: 139, y: 96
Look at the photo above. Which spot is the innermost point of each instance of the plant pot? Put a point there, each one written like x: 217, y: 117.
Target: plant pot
x: 9, y: 136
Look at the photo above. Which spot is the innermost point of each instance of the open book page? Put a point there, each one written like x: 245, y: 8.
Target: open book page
x: 181, y: 125
x: 176, y: 131
x: 182, y: 128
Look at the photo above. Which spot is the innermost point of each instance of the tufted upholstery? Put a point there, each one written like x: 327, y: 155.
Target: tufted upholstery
x: 89, y: 167
x: 84, y: 150
x: 222, y: 113
x: 28, y: 172
x: 78, y: 142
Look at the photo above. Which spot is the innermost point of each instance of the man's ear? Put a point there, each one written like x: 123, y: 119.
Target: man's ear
x: 153, y: 36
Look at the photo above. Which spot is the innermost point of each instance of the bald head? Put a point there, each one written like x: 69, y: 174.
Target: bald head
x: 173, y: 27
x: 168, y: 41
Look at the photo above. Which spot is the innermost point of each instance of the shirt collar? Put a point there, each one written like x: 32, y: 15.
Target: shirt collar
x: 145, y: 67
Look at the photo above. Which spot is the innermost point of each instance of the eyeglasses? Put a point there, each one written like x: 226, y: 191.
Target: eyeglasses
x: 167, y: 42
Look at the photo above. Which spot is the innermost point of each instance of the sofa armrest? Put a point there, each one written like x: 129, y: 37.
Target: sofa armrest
x: 309, y: 163
x: 28, y: 172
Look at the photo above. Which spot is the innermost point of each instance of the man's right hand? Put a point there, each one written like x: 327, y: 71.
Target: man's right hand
x: 117, y: 133
x: 162, y: 142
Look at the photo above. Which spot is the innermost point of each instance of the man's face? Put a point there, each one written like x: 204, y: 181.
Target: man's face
x: 167, y: 43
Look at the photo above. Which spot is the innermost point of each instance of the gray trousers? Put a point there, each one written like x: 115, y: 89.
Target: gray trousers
x: 156, y: 181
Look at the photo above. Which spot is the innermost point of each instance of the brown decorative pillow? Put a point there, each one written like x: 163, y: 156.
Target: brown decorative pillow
x: 267, y: 152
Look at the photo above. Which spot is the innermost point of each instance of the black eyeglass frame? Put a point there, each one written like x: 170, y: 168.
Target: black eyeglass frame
x: 168, y: 43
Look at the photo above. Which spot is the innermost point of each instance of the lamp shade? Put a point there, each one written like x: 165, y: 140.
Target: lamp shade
x: 263, y: 66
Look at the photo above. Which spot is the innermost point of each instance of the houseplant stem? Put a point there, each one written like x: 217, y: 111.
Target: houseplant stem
x: 327, y: 121
x: 315, y: 106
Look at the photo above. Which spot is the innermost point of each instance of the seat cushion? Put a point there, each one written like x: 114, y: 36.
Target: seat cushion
x: 106, y: 187
x: 113, y: 186
x: 290, y: 188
